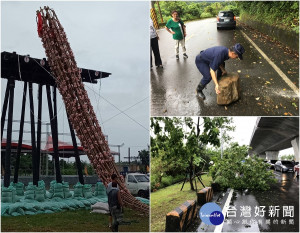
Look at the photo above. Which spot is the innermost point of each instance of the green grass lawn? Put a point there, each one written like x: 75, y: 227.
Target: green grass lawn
x: 73, y: 221
x: 167, y: 199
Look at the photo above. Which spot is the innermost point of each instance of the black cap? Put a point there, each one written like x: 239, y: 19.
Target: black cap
x: 239, y: 50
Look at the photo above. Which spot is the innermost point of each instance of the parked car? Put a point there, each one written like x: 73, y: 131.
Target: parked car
x: 296, y: 169
x: 284, y: 166
x: 138, y: 184
x: 226, y: 19
x: 271, y: 163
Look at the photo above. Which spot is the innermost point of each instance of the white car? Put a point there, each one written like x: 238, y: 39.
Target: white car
x: 138, y: 184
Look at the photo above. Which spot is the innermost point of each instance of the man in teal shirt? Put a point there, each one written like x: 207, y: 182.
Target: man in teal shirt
x: 179, y: 33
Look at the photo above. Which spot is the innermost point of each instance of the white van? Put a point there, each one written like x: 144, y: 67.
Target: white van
x: 138, y: 184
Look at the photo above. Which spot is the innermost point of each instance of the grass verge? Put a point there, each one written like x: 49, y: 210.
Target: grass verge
x: 73, y: 221
x: 167, y: 199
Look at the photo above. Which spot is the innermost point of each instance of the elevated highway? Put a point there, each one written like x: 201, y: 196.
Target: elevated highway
x: 273, y: 134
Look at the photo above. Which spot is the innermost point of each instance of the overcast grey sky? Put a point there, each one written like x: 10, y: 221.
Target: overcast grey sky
x: 106, y: 36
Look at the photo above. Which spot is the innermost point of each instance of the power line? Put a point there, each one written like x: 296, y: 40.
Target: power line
x: 124, y: 110
x: 119, y: 110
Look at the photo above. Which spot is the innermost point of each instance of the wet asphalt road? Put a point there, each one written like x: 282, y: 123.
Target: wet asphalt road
x: 284, y: 193
x: 264, y: 93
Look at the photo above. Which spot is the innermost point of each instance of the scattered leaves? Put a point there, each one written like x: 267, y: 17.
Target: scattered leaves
x: 225, y: 108
x: 257, y: 98
x: 239, y: 71
x: 259, y: 103
x: 267, y: 82
x: 295, y: 105
x: 284, y: 89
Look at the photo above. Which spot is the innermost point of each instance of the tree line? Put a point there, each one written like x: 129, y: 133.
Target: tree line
x: 280, y: 13
x: 66, y: 167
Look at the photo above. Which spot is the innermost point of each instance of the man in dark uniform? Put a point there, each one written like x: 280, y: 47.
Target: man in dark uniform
x: 108, y: 189
x: 211, y: 64
x: 115, y: 205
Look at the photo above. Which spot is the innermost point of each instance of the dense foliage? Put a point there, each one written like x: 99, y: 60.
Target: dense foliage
x: 66, y: 168
x: 236, y: 170
x: 287, y: 157
x: 189, y: 10
x: 144, y: 159
x: 177, y: 146
x: 280, y: 13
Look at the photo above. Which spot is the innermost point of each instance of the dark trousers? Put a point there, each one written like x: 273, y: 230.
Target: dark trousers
x: 155, y: 49
x: 204, y: 69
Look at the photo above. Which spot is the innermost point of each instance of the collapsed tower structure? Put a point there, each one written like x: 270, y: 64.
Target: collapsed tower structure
x: 78, y: 106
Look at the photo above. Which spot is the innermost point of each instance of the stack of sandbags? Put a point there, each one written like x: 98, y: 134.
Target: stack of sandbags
x: 30, y: 191
x: 19, y: 188
x: 58, y: 190
x: 66, y: 189
x: 100, y: 190
x: 40, y: 194
x: 8, y: 195
x: 42, y: 184
x: 87, y: 191
x: 100, y: 207
x: 51, y: 190
x: 78, y: 192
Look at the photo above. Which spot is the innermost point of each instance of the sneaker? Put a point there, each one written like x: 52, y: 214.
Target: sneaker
x: 161, y: 66
x: 185, y: 56
x: 177, y: 57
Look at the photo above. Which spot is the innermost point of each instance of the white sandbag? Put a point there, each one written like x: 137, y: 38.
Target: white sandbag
x: 100, y: 211
x: 100, y: 206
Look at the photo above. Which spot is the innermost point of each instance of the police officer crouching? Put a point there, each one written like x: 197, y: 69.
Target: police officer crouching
x: 211, y: 64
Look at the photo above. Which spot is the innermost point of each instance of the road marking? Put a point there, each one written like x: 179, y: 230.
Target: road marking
x: 189, y: 37
x: 225, y: 208
x: 282, y: 75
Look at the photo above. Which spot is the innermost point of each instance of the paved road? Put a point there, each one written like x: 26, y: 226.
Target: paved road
x: 284, y: 193
x: 264, y: 93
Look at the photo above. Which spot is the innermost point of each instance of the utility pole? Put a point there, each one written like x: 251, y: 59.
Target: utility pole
x: 129, y: 155
x: 118, y: 149
x: 159, y: 12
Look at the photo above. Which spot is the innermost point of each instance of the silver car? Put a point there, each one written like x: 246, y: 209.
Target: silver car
x: 226, y: 19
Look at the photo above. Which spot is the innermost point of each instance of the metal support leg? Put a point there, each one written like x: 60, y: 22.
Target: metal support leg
x: 17, y: 165
x: 33, y: 142
x: 9, y: 132
x: 54, y: 136
x: 4, y: 108
x: 76, y: 153
x: 39, y: 130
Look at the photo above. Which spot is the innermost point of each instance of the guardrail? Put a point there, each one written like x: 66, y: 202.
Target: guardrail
x: 181, y: 217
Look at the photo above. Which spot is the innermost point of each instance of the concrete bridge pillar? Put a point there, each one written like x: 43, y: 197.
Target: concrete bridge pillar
x: 295, y: 144
x: 262, y: 156
x: 272, y: 155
